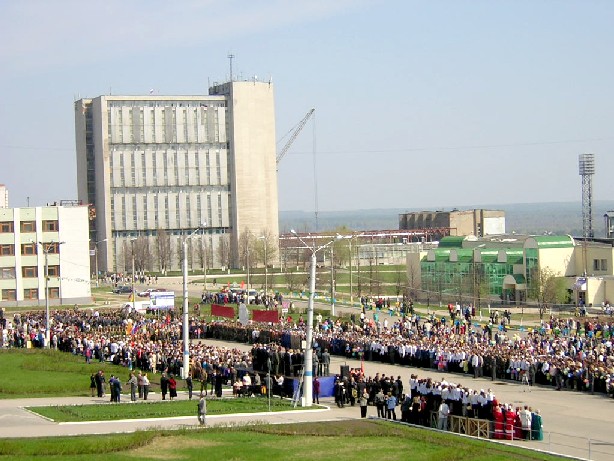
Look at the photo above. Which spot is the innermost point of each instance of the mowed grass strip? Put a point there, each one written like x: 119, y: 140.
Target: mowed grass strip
x: 165, y: 409
x: 339, y: 441
x: 45, y: 373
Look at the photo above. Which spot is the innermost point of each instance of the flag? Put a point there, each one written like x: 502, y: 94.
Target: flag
x: 151, y: 91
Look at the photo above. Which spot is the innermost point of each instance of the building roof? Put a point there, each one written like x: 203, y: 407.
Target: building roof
x: 550, y: 241
x: 452, y: 241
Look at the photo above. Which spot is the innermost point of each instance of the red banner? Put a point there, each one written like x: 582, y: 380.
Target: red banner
x: 218, y: 310
x: 265, y: 316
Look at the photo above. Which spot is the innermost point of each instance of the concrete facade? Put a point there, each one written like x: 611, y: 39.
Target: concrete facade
x: 22, y: 260
x: 154, y: 168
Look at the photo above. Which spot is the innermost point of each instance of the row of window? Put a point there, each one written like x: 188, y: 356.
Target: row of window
x: 8, y: 273
x: 29, y: 293
x: 29, y: 226
x: 8, y: 249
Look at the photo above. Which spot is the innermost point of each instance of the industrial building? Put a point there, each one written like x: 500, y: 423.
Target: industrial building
x: 477, y: 222
x: 35, y: 238
x: 156, y: 168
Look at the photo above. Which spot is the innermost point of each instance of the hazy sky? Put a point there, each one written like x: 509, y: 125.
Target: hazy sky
x: 419, y: 104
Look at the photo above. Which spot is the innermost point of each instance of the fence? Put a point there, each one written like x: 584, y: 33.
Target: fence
x: 553, y: 442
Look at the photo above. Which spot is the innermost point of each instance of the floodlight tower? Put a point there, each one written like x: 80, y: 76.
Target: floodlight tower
x: 587, y: 170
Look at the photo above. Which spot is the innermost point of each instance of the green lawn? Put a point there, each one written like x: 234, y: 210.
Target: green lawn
x: 166, y: 409
x: 45, y: 373
x: 339, y: 441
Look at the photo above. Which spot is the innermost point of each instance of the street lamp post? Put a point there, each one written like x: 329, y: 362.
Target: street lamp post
x: 308, y: 354
x: 266, y: 271
x: 46, y: 249
x: 204, y: 259
x: 332, y: 281
x: 186, y: 328
x: 132, y: 279
x: 96, y: 259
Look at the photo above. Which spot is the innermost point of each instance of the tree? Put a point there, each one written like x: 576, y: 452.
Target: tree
x: 223, y: 250
x: 546, y: 287
x: 165, y: 250
x: 142, y: 254
x: 265, y: 248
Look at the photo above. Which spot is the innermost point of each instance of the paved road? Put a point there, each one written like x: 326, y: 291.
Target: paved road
x: 572, y: 418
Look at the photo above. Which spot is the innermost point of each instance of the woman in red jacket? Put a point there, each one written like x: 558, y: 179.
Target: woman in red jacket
x: 172, y: 387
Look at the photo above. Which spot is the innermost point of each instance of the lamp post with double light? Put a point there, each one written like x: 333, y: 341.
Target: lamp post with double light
x: 46, y: 248
x: 308, y: 354
x: 186, y: 327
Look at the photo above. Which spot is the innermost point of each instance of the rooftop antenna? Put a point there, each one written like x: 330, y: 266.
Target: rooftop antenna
x: 230, y: 58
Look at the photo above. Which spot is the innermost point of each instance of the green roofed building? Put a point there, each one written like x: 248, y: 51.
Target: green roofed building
x: 511, y: 267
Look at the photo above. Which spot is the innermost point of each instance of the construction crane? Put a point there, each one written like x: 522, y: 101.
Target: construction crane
x: 295, y: 132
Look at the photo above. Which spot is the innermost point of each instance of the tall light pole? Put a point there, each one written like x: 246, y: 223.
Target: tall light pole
x: 186, y: 337
x: 308, y: 354
x: 204, y: 257
x: 96, y: 259
x: 332, y: 280
x: 46, y: 247
x: 266, y: 271
x: 132, y: 279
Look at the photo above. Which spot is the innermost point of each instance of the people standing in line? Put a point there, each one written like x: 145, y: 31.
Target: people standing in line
x: 316, y: 390
x: 325, y: 362
x: 145, y: 386
x: 536, y: 426
x: 93, y: 383
x: 163, y: 385
x: 134, y: 384
x: 140, y: 384
x: 363, y: 401
x: 391, y: 405
x: 380, y: 401
x: 172, y: 387
x: 202, y: 410
x: 525, y: 421
x: 443, y: 413
x: 100, y: 382
x: 190, y: 386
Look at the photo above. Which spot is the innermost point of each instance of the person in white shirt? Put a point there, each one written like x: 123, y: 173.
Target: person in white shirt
x: 443, y: 413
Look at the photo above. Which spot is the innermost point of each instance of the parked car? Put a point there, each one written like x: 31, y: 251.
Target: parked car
x: 121, y: 289
x: 147, y: 293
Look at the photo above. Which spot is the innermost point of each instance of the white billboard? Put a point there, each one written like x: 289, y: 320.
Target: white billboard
x: 162, y: 300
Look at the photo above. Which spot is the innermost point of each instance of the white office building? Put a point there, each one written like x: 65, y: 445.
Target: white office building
x: 26, y: 234
x: 154, y: 168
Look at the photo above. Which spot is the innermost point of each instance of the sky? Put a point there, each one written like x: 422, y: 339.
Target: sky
x: 418, y: 104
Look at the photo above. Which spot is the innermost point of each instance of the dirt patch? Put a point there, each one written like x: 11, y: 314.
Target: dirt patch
x: 166, y: 448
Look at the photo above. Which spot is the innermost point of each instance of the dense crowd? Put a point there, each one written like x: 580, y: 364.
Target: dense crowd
x: 572, y: 353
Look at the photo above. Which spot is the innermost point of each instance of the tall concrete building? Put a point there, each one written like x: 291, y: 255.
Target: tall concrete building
x: 154, y: 168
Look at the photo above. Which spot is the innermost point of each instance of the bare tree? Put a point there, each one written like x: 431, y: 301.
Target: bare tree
x: 266, y: 249
x: 165, y: 250
x: 547, y: 287
x: 223, y: 250
x: 246, y: 248
x: 142, y: 254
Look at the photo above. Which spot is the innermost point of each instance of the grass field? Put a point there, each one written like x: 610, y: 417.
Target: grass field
x: 166, y: 409
x: 339, y: 441
x: 45, y: 373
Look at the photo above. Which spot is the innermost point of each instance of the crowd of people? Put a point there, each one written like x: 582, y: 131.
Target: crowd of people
x: 565, y: 353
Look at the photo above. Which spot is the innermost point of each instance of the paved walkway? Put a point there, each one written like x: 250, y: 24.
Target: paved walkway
x: 571, y: 419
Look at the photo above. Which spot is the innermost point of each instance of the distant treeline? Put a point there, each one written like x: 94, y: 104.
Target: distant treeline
x: 522, y: 218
